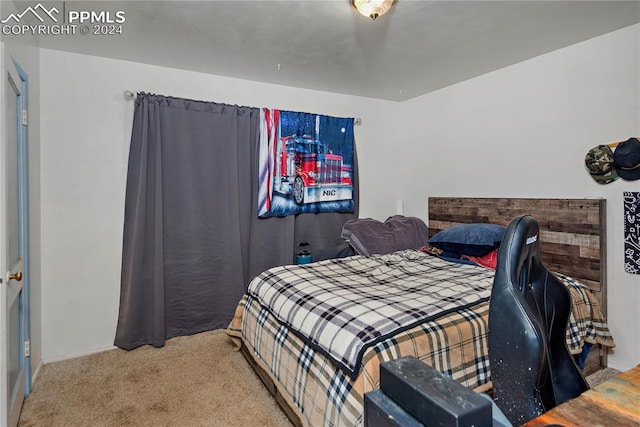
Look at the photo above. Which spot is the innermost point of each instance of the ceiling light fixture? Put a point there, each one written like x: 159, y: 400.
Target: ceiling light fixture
x: 373, y: 8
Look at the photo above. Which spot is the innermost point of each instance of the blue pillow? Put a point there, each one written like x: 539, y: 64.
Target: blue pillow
x: 469, y: 239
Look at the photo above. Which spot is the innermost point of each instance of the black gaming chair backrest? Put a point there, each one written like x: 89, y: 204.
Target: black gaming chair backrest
x: 531, y: 367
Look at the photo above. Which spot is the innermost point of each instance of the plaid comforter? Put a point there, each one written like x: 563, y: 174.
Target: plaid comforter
x: 342, y: 306
x: 454, y: 342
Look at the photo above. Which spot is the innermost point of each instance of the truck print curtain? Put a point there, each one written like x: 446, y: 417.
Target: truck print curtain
x: 305, y: 163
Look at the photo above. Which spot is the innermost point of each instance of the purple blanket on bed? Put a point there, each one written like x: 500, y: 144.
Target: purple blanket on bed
x: 369, y: 236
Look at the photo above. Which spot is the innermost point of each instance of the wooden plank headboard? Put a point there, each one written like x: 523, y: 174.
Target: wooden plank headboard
x: 572, y: 234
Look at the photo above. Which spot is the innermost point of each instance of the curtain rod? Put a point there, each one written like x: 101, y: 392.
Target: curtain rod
x: 130, y: 95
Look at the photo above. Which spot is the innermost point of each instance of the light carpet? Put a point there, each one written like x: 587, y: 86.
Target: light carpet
x: 199, y: 380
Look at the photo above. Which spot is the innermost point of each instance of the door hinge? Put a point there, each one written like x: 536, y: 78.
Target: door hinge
x: 25, y: 117
x: 27, y: 348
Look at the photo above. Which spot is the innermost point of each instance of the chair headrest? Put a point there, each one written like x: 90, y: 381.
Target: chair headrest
x: 520, y: 247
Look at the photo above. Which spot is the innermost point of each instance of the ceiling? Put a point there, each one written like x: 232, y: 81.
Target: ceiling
x: 416, y: 48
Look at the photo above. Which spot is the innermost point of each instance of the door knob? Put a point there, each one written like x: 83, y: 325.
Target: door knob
x: 16, y: 276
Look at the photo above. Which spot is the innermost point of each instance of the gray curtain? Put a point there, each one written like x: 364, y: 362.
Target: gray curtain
x: 192, y: 239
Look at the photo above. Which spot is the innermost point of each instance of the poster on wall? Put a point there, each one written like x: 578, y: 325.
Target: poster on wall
x: 632, y: 232
x: 305, y: 163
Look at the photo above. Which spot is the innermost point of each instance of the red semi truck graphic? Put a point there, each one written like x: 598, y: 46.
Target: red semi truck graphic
x: 307, y: 170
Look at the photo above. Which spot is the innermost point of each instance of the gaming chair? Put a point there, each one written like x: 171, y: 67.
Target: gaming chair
x: 531, y: 367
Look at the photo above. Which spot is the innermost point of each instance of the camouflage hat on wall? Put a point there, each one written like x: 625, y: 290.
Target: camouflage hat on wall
x: 599, y: 162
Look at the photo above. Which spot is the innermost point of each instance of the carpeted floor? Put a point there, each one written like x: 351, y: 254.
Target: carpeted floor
x: 198, y: 380
x: 192, y: 381
x: 601, y: 376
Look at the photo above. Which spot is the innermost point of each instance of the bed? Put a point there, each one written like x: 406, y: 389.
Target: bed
x: 318, y: 358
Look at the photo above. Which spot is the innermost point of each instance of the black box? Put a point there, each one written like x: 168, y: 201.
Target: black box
x: 431, y: 397
x: 380, y: 411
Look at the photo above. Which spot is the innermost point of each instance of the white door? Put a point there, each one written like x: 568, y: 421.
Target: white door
x: 13, y: 247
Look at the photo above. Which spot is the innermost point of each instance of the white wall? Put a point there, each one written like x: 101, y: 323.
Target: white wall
x: 524, y: 131
x: 86, y: 128
x: 520, y: 131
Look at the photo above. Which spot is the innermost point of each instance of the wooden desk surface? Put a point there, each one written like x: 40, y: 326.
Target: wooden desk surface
x: 615, y: 402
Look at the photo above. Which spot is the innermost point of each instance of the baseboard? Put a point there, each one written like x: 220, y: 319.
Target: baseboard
x: 35, y: 373
x: 75, y: 356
